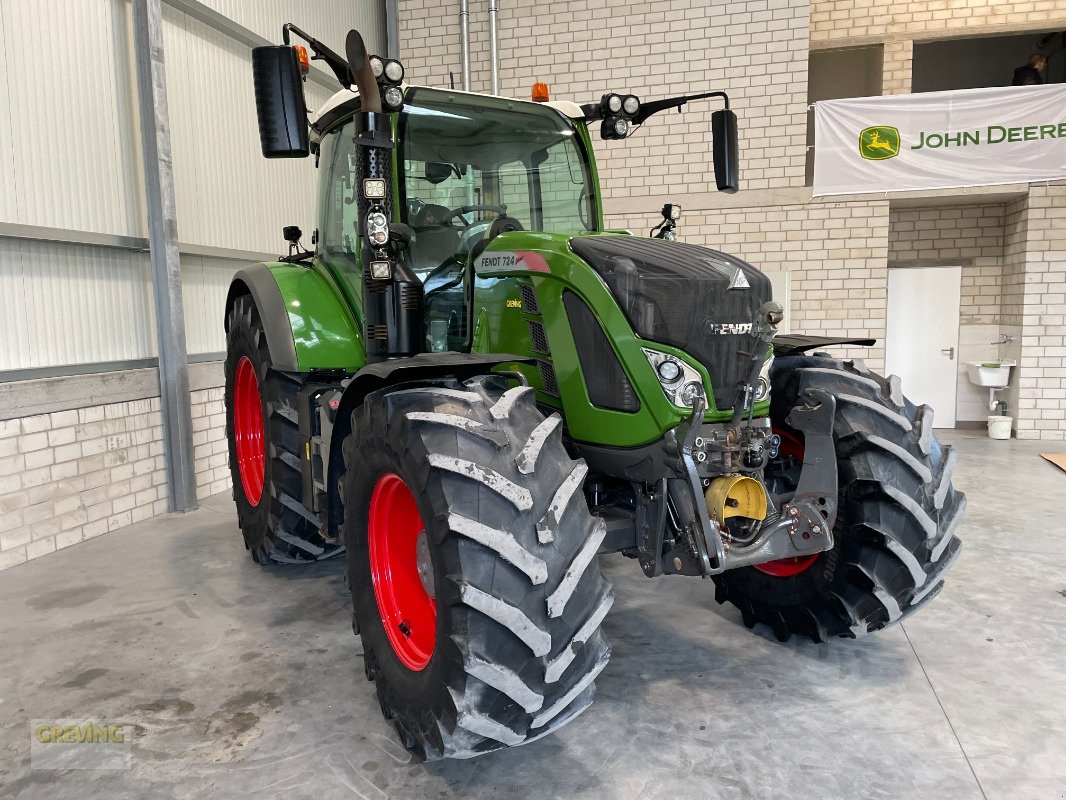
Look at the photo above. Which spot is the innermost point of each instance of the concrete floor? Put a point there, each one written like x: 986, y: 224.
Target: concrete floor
x: 242, y: 681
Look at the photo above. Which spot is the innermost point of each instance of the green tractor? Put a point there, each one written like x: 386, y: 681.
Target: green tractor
x: 473, y: 389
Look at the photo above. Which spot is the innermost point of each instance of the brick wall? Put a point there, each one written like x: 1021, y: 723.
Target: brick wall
x: 757, y: 51
x: 72, y: 475
x: 972, y: 234
x: 842, y: 20
x: 1041, y: 411
x: 898, y: 61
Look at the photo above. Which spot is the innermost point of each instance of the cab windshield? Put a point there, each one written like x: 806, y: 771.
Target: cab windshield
x: 469, y: 160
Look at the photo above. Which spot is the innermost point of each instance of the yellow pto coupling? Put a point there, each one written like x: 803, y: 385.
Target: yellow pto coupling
x: 736, y: 496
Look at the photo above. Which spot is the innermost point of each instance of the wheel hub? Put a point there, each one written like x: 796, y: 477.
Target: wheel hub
x: 401, y: 569
x: 248, y: 431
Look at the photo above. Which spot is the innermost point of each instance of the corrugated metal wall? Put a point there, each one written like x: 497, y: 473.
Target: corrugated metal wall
x: 70, y: 160
x: 68, y: 105
x: 328, y: 22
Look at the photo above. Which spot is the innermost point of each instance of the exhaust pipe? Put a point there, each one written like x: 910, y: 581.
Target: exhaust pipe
x: 392, y: 293
x: 494, y: 46
x: 464, y: 42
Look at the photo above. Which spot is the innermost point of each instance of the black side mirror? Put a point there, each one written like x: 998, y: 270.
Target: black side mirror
x: 726, y: 154
x: 437, y: 172
x: 279, y: 102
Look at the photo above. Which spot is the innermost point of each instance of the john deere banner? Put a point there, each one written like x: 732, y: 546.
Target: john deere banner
x: 940, y: 140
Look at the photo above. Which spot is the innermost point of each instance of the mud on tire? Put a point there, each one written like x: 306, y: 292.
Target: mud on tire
x: 277, y: 528
x: 898, y: 513
x: 518, y: 591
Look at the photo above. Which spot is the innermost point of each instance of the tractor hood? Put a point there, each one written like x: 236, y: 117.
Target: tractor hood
x: 694, y: 298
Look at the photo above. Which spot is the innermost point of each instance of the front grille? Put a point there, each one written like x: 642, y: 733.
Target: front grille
x: 377, y: 332
x: 605, y: 379
x: 679, y: 294
x: 548, y: 382
x: 529, y: 299
x: 537, y: 337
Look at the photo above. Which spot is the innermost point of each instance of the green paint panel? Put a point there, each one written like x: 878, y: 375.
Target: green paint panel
x: 502, y: 326
x: 326, y: 333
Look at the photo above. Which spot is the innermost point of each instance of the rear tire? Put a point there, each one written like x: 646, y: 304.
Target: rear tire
x: 277, y: 528
x: 515, y: 644
x: 896, y: 521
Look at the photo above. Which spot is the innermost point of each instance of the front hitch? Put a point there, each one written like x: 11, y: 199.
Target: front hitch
x: 804, y: 523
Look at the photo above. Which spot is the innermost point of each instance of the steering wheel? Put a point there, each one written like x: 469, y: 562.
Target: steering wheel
x: 462, y: 211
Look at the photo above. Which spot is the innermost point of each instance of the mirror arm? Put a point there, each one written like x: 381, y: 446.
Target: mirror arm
x: 322, y: 53
x: 655, y: 106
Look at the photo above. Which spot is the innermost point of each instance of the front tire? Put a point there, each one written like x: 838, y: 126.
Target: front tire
x: 264, y: 447
x: 897, y: 514
x: 500, y: 600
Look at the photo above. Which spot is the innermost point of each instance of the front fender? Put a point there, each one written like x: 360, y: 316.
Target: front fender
x: 307, y: 322
x: 426, y: 368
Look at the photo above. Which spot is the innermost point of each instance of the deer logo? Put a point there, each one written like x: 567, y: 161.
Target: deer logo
x: 879, y: 142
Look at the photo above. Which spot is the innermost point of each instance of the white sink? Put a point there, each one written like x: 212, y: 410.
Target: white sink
x: 991, y: 374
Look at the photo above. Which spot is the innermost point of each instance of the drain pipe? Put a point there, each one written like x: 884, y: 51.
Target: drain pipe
x: 494, y: 46
x: 464, y: 42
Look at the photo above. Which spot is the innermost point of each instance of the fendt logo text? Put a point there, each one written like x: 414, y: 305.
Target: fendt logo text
x: 726, y: 328
x: 879, y: 142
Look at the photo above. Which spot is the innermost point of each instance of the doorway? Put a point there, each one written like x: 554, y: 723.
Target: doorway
x: 922, y: 336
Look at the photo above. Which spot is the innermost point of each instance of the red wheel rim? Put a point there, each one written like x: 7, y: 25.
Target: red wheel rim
x: 407, y: 612
x: 248, y: 431
x: 791, y: 445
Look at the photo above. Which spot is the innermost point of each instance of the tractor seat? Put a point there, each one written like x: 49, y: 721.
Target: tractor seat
x: 433, y: 243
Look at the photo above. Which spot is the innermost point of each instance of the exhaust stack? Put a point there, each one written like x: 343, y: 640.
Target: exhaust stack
x: 392, y: 293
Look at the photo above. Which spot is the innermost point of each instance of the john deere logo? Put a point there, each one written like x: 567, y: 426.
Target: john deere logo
x: 879, y: 143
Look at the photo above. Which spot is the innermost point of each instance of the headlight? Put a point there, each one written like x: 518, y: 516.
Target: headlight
x: 680, y: 382
x: 377, y: 228
x: 376, y: 66
x: 669, y: 371
x: 614, y: 103
x: 393, y: 97
x: 631, y: 105
x: 394, y: 71
x: 621, y: 127
x: 689, y: 392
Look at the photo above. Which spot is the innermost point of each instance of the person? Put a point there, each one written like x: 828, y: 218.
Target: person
x: 1031, y: 74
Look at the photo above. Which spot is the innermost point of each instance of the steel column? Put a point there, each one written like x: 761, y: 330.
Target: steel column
x: 163, y: 248
x: 464, y: 42
x: 392, y: 28
x: 494, y: 47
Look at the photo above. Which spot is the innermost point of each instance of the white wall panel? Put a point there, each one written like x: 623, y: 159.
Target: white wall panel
x: 71, y: 304
x: 204, y: 283
x: 69, y: 157
x: 327, y: 22
x: 228, y: 195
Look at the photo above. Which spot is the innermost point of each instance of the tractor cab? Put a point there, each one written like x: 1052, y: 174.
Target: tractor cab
x: 467, y: 168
